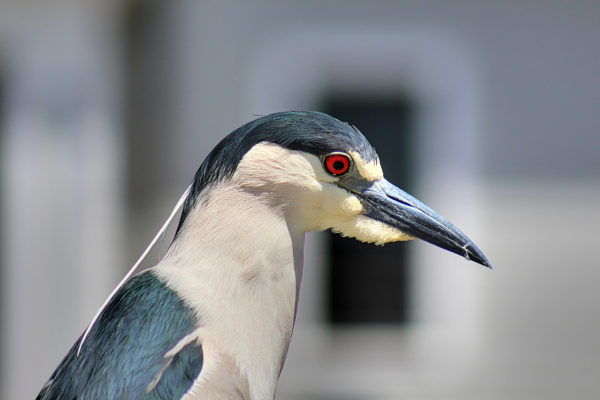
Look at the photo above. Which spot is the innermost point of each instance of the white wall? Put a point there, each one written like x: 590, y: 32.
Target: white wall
x: 61, y: 194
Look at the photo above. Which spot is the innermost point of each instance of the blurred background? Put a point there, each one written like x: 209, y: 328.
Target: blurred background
x: 487, y: 111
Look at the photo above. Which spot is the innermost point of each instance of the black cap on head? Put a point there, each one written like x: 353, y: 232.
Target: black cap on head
x: 309, y: 131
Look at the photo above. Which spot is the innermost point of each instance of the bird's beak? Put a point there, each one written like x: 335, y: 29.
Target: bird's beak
x: 386, y: 203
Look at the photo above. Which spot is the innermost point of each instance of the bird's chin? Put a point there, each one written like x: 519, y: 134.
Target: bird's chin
x: 368, y: 230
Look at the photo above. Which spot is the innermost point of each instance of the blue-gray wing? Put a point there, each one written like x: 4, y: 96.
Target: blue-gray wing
x: 125, y: 354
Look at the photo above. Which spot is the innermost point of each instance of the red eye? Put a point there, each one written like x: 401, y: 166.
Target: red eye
x: 337, y: 164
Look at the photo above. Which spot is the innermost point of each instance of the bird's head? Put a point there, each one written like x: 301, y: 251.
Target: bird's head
x: 321, y: 173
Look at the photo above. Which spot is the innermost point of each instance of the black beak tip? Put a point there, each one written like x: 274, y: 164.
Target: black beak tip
x: 472, y: 253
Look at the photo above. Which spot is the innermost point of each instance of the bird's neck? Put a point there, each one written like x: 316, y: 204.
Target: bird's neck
x: 238, y: 263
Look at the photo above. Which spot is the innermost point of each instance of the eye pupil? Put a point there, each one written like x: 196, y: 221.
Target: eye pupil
x: 337, y: 164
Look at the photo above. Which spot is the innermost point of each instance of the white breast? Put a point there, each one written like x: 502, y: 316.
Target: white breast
x: 236, y: 265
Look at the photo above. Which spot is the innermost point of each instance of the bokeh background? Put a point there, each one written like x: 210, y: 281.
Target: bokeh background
x: 489, y: 111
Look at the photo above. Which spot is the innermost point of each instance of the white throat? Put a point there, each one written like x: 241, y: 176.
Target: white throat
x: 238, y: 264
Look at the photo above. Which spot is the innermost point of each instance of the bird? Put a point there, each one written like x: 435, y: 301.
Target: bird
x: 213, y: 319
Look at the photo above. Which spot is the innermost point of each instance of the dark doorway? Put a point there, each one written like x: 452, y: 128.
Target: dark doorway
x: 367, y: 283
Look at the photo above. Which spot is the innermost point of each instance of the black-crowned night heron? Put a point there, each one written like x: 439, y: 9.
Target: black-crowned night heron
x: 213, y: 320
